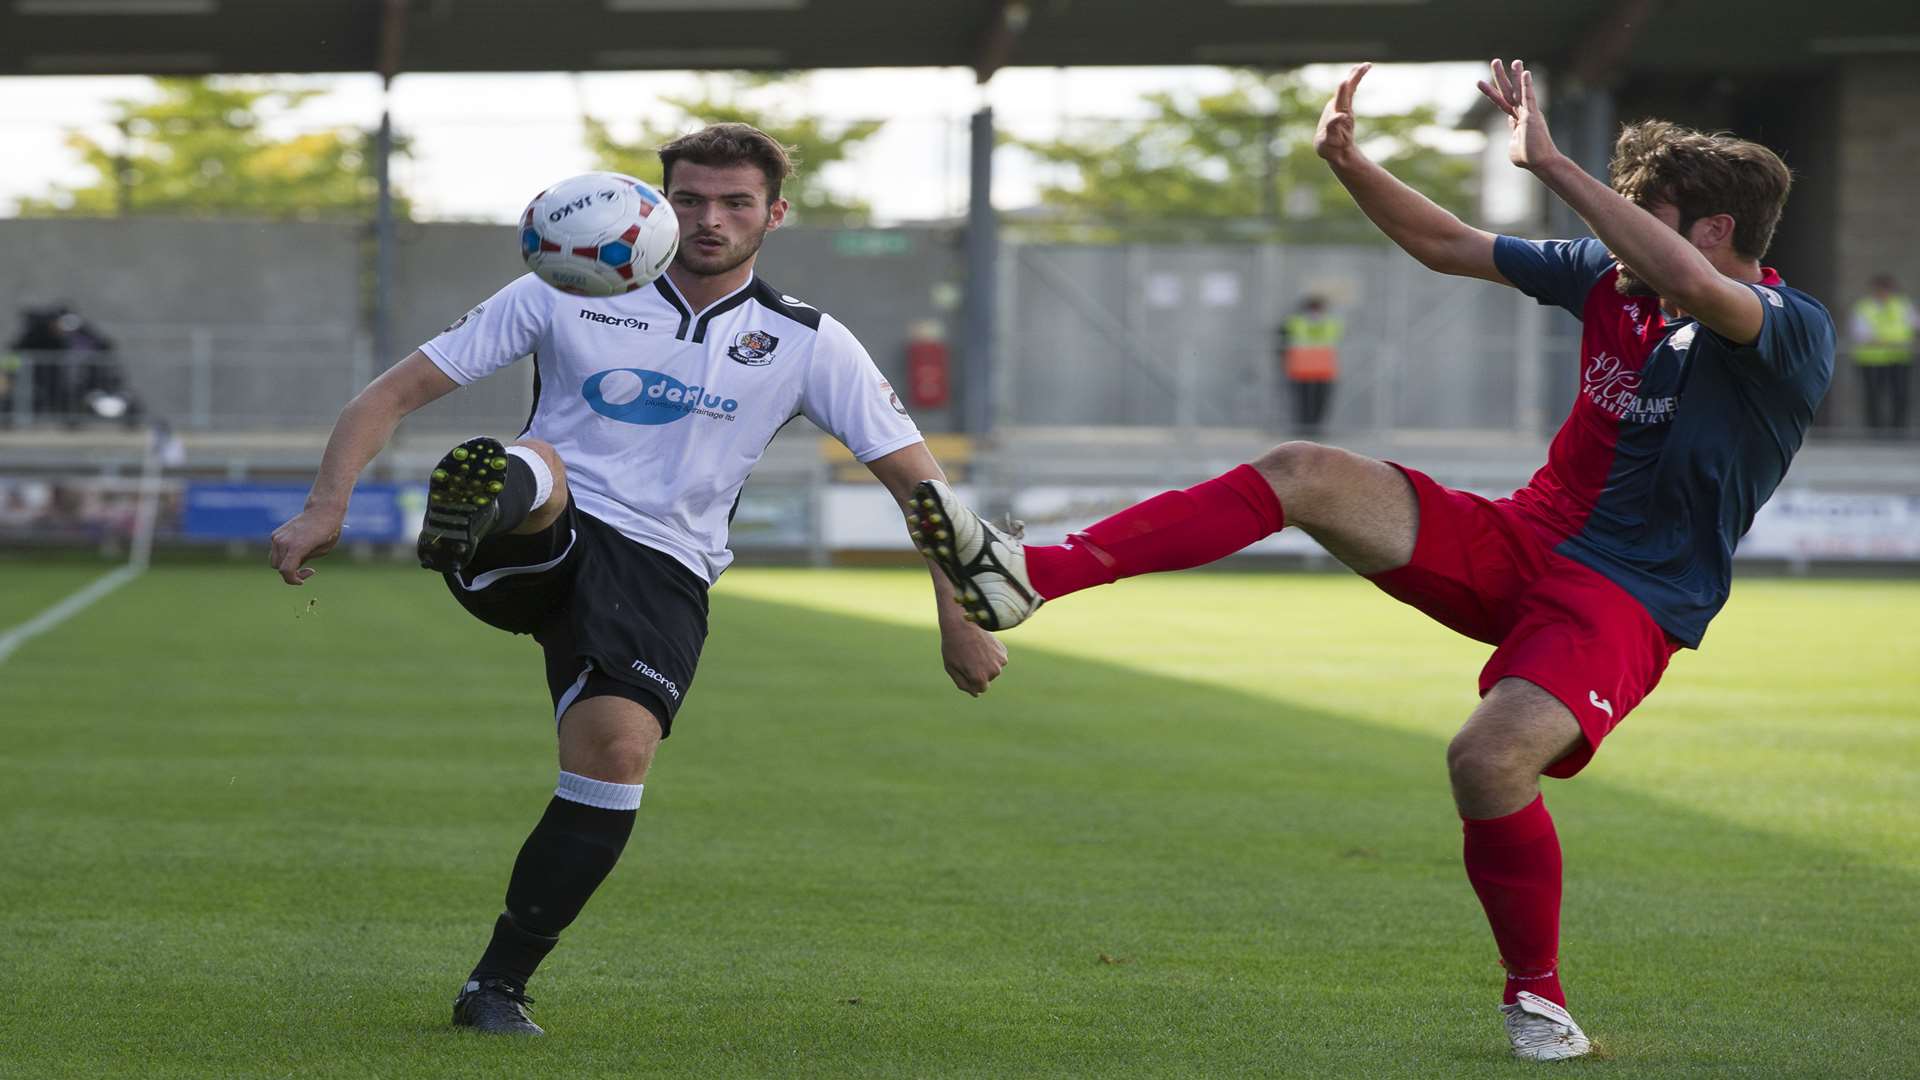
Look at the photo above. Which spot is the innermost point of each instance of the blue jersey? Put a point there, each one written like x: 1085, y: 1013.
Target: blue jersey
x: 1677, y: 437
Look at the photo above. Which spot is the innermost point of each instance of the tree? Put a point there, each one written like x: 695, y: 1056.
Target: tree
x: 200, y: 148
x: 1239, y: 162
x: 815, y: 143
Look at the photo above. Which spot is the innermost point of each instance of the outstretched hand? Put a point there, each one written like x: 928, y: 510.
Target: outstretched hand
x: 1511, y: 91
x: 1334, y: 138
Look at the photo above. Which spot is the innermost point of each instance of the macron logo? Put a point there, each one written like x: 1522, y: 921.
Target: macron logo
x: 666, y: 684
x: 1598, y: 702
x: 610, y: 320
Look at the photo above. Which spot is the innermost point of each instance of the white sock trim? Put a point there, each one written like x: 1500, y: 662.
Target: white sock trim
x: 542, y: 476
x: 604, y: 794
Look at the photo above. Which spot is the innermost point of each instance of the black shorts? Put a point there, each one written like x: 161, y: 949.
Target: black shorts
x: 613, y: 615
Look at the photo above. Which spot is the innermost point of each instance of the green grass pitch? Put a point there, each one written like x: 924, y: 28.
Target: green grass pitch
x: 1199, y: 828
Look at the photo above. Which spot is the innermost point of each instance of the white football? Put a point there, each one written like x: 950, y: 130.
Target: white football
x: 599, y: 234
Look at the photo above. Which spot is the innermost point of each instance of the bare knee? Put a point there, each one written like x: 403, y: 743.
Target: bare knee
x: 1298, y: 470
x: 1496, y: 760
x: 1488, y: 776
x: 607, y: 737
x: 620, y: 758
x: 1325, y: 487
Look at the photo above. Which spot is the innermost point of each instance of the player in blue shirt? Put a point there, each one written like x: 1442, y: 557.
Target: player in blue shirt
x: 1699, y: 374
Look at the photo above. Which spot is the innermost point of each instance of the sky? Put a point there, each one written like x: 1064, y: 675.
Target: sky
x: 484, y: 144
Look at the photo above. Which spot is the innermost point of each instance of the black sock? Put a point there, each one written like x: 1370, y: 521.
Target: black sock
x: 513, y: 953
x: 565, y: 858
x: 516, y: 499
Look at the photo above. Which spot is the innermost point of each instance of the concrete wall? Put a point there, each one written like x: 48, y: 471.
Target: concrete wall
x: 250, y: 318
x: 1185, y: 335
x: 1877, y: 222
x: 1875, y: 225
x: 229, y: 324
x: 440, y: 272
x: 236, y: 324
x: 161, y: 271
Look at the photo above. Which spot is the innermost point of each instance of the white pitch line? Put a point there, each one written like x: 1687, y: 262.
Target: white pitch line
x: 65, y: 609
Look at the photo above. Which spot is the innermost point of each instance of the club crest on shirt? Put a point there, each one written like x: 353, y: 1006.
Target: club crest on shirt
x: 753, y: 348
x: 893, y: 398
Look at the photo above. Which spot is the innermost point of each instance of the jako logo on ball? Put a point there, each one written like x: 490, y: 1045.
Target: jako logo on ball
x: 638, y: 396
x: 599, y: 234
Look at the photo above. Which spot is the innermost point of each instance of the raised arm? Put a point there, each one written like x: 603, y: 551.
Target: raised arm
x: 1656, y: 252
x: 360, y: 433
x: 1420, y: 226
x: 973, y: 657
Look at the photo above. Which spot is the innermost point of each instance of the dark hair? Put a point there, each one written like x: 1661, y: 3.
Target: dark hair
x: 720, y: 145
x: 1701, y: 175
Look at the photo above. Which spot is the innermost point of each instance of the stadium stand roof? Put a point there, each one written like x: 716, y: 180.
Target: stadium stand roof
x: 97, y: 37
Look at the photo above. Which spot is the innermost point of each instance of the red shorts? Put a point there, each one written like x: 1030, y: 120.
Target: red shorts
x: 1486, y: 570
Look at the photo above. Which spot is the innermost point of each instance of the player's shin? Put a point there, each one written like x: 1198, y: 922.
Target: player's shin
x: 1174, y: 530
x: 566, y: 857
x: 1514, y: 865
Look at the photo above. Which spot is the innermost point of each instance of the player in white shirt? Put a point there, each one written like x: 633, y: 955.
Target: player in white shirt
x: 601, y: 527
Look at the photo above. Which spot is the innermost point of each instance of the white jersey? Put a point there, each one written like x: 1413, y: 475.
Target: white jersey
x: 660, y: 412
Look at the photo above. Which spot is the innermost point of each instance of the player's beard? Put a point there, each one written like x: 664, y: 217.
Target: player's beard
x: 1627, y: 283
x: 724, y: 261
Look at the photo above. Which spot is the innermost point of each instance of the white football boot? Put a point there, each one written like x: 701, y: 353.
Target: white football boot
x: 988, y: 568
x: 1543, y: 1031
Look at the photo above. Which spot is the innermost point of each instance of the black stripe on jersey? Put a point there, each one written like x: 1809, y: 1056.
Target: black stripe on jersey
x: 535, y: 407
x: 769, y: 297
x: 660, y: 285
x: 731, y: 302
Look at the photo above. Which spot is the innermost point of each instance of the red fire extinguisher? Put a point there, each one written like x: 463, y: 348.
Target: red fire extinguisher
x: 928, y: 385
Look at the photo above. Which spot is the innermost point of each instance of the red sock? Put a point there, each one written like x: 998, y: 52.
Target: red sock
x: 1514, y: 864
x: 1173, y: 530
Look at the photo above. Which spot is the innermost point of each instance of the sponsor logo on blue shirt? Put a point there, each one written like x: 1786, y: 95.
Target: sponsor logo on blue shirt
x: 1609, y: 383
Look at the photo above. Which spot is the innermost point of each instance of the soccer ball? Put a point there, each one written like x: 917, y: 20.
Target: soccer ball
x: 599, y: 234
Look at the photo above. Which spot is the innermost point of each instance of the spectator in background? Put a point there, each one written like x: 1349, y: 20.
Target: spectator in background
x: 1310, y: 358
x: 69, y: 368
x: 41, y: 347
x: 1884, y: 323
